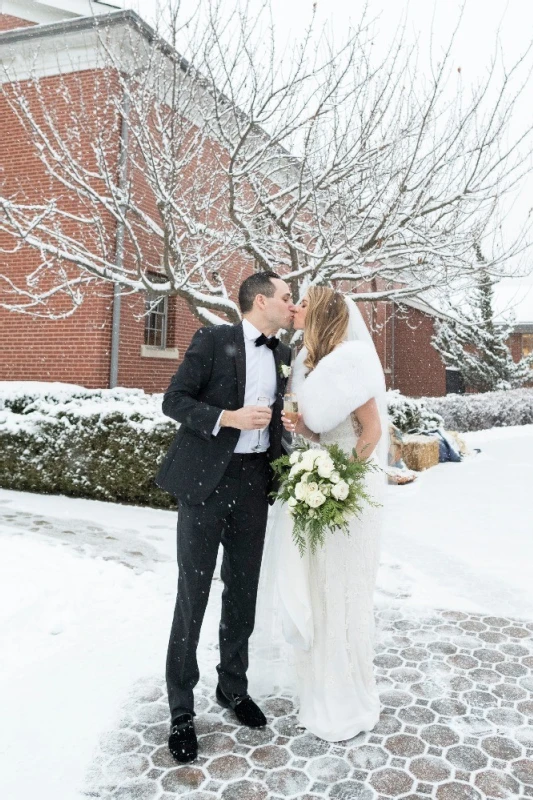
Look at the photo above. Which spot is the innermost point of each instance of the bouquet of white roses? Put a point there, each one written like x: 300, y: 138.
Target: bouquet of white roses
x: 323, y: 487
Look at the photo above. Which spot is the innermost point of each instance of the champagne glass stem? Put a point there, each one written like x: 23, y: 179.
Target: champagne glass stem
x: 261, y: 401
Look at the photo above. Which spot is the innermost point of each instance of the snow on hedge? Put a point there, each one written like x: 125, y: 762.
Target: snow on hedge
x: 410, y: 414
x: 476, y: 412
x: 24, y: 398
x: 461, y: 412
x: 104, y: 444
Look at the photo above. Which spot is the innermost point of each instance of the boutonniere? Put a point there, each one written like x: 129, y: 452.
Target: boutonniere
x: 285, y: 370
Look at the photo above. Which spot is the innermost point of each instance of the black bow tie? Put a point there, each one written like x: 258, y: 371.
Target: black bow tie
x: 271, y: 343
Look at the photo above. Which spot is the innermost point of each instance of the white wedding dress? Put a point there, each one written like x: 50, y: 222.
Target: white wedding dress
x: 336, y: 686
x: 323, y: 603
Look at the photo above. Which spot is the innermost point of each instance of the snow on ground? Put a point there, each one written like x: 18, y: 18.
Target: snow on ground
x: 77, y: 633
x: 461, y: 536
x: 86, y: 596
x: 86, y: 601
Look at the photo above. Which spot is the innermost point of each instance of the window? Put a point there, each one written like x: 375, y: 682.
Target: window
x: 527, y: 344
x: 156, y: 322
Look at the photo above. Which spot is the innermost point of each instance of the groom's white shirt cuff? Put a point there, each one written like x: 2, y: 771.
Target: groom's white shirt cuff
x: 217, y: 426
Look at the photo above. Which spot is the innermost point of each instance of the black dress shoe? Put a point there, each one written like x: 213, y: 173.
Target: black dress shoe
x: 247, y: 712
x: 182, y: 741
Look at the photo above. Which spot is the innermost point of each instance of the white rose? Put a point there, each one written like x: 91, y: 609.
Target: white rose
x: 312, y: 486
x: 308, y: 460
x: 294, y: 457
x: 340, y: 490
x: 315, y: 499
x: 334, y: 477
x: 292, y: 502
x: 285, y: 370
x: 325, y: 467
x: 295, y: 470
x: 301, y: 491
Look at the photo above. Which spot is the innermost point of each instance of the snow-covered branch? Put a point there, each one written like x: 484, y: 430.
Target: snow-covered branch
x: 318, y: 162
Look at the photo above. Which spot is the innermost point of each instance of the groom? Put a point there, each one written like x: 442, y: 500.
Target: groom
x: 227, y: 394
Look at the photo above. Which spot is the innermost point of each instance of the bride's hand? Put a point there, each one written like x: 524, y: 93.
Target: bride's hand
x: 291, y: 427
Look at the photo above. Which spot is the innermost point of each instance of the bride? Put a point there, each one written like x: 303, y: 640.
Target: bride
x: 324, y: 602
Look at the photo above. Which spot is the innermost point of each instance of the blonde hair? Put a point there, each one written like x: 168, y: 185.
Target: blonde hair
x: 326, y: 323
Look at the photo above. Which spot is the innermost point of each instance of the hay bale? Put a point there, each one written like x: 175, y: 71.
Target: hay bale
x: 420, y: 452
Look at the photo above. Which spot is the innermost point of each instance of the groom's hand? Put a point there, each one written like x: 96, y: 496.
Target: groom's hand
x: 248, y: 418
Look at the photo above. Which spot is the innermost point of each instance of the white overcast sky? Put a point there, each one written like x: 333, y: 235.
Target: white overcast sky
x: 483, y: 23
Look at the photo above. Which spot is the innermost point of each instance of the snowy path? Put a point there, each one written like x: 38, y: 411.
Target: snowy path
x: 87, y: 594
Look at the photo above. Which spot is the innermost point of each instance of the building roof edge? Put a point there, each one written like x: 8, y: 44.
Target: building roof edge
x: 102, y: 21
x: 77, y: 24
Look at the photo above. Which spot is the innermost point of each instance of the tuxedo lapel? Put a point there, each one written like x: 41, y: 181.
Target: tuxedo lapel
x: 276, y: 428
x: 240, y: 363
x: 280, y: 382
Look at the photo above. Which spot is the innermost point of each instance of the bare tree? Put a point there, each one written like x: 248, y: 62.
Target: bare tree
x: 319, y: 161
x: 136, y: 196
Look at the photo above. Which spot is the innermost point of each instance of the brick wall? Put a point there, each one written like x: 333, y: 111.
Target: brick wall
x: 77, y: 349
x: 74, y: 349
x: 418, y: 369
x: 8, y: 23
x: 151, y: 373
x: 515, y: 346
x: 403, y: 342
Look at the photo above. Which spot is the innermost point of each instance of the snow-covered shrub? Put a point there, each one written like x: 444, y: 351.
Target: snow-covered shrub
x: 409, y: 414
x: 475, y: 412
x: 104, y: 444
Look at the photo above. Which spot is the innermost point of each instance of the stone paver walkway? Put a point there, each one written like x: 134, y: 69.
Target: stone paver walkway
x: 456, y: 724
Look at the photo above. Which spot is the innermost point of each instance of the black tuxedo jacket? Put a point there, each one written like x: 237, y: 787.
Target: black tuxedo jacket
x: 211, y: 378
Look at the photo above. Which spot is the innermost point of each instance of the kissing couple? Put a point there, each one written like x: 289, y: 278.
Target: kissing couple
x: 227, y: 396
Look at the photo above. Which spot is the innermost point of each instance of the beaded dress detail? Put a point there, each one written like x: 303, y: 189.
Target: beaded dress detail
x: 336, y: 685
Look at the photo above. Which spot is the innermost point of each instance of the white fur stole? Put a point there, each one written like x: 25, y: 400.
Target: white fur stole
x: 342, y: 381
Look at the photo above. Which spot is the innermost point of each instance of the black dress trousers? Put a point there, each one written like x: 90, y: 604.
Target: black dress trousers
x: 235, y: 514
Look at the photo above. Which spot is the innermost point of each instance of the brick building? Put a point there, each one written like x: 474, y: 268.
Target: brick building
x: 78, y: 348
x: 146, y: 348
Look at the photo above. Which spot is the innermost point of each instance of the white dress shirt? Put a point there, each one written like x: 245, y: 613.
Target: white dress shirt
x: 261, y: 381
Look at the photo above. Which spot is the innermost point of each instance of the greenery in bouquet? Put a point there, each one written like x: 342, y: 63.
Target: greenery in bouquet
x: 323, y: 487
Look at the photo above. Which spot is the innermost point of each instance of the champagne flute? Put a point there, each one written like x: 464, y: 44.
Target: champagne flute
x: 261, y: 401
x: 290, y: 407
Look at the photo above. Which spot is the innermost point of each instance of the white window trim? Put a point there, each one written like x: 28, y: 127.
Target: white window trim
x: 150, y: 351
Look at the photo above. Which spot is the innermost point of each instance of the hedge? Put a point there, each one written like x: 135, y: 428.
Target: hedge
x: 106, y: 444
x: 475, y: 412
x: 103, y: 444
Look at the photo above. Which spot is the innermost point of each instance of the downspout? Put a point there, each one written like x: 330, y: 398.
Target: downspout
x: 119, y: 253
x: 393, y: 346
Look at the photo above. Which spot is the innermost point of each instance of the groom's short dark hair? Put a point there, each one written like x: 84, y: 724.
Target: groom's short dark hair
x: 258, y: 283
